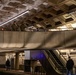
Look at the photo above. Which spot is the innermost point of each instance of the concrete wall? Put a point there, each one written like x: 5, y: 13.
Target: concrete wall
x: 37, y: 40
x: 2, y: 59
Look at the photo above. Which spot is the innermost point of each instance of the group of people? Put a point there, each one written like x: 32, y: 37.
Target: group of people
x: 69, y: 66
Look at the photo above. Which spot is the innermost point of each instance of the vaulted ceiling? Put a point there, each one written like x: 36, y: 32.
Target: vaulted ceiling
x: 37, y: 15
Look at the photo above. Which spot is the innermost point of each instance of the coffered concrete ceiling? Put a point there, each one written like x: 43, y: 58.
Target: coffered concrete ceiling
x: 37, y: 15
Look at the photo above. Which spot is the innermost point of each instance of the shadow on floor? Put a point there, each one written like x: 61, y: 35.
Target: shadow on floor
x: 5, y: 73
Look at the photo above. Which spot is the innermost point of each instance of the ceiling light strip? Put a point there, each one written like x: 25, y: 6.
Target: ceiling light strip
x: 21, y: 14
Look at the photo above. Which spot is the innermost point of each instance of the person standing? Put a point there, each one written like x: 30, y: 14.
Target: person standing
x: 69, y: 65
x: 7, y: 64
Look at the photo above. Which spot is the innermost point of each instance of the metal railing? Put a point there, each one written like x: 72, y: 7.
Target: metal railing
x: 61, y: 57
x: 51, y: 63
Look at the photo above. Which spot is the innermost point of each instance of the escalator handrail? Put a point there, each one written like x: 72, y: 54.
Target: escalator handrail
x: 59, y: 56
x: 52, y: 64
x: 54, y: 60
x: 62, y: 55
x: 64, y: 59
x: 60, y: 68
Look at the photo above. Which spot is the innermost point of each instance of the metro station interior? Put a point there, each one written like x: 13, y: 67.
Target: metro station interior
x: 37, y: 36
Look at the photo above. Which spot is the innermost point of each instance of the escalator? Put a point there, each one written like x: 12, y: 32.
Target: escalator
x: 48, y: 68
x: 59, y: 60
x: 48, y: 64
x: 56, y: 58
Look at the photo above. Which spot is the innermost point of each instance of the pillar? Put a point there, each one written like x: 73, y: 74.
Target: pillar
x: 17, y: 61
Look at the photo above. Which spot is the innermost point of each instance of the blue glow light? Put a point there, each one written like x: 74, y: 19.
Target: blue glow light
x: 37, y: 55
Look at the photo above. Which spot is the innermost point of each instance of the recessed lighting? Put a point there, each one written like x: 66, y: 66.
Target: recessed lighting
x: 45, y: 3
x: 73, y: 25
x: 63, y: 27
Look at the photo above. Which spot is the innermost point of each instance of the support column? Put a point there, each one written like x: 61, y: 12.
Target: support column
x: 17, y: 61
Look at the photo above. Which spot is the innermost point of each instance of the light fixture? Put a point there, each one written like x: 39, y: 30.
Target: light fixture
x: 45, y: 3
x: 63, y: 27
x: 73, y: 25
x: 53, y: 29
x: 14, y: 18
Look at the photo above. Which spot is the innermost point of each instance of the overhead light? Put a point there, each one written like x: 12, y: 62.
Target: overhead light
x: 45, y: 3
x: 53, y: 29
x: 38, y: 25
x: 73, y: 25
x: 14, y: 18
x: 63, y: 27
x: 36, y: 8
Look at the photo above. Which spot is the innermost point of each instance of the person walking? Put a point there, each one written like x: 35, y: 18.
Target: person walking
x: 69, y: 66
